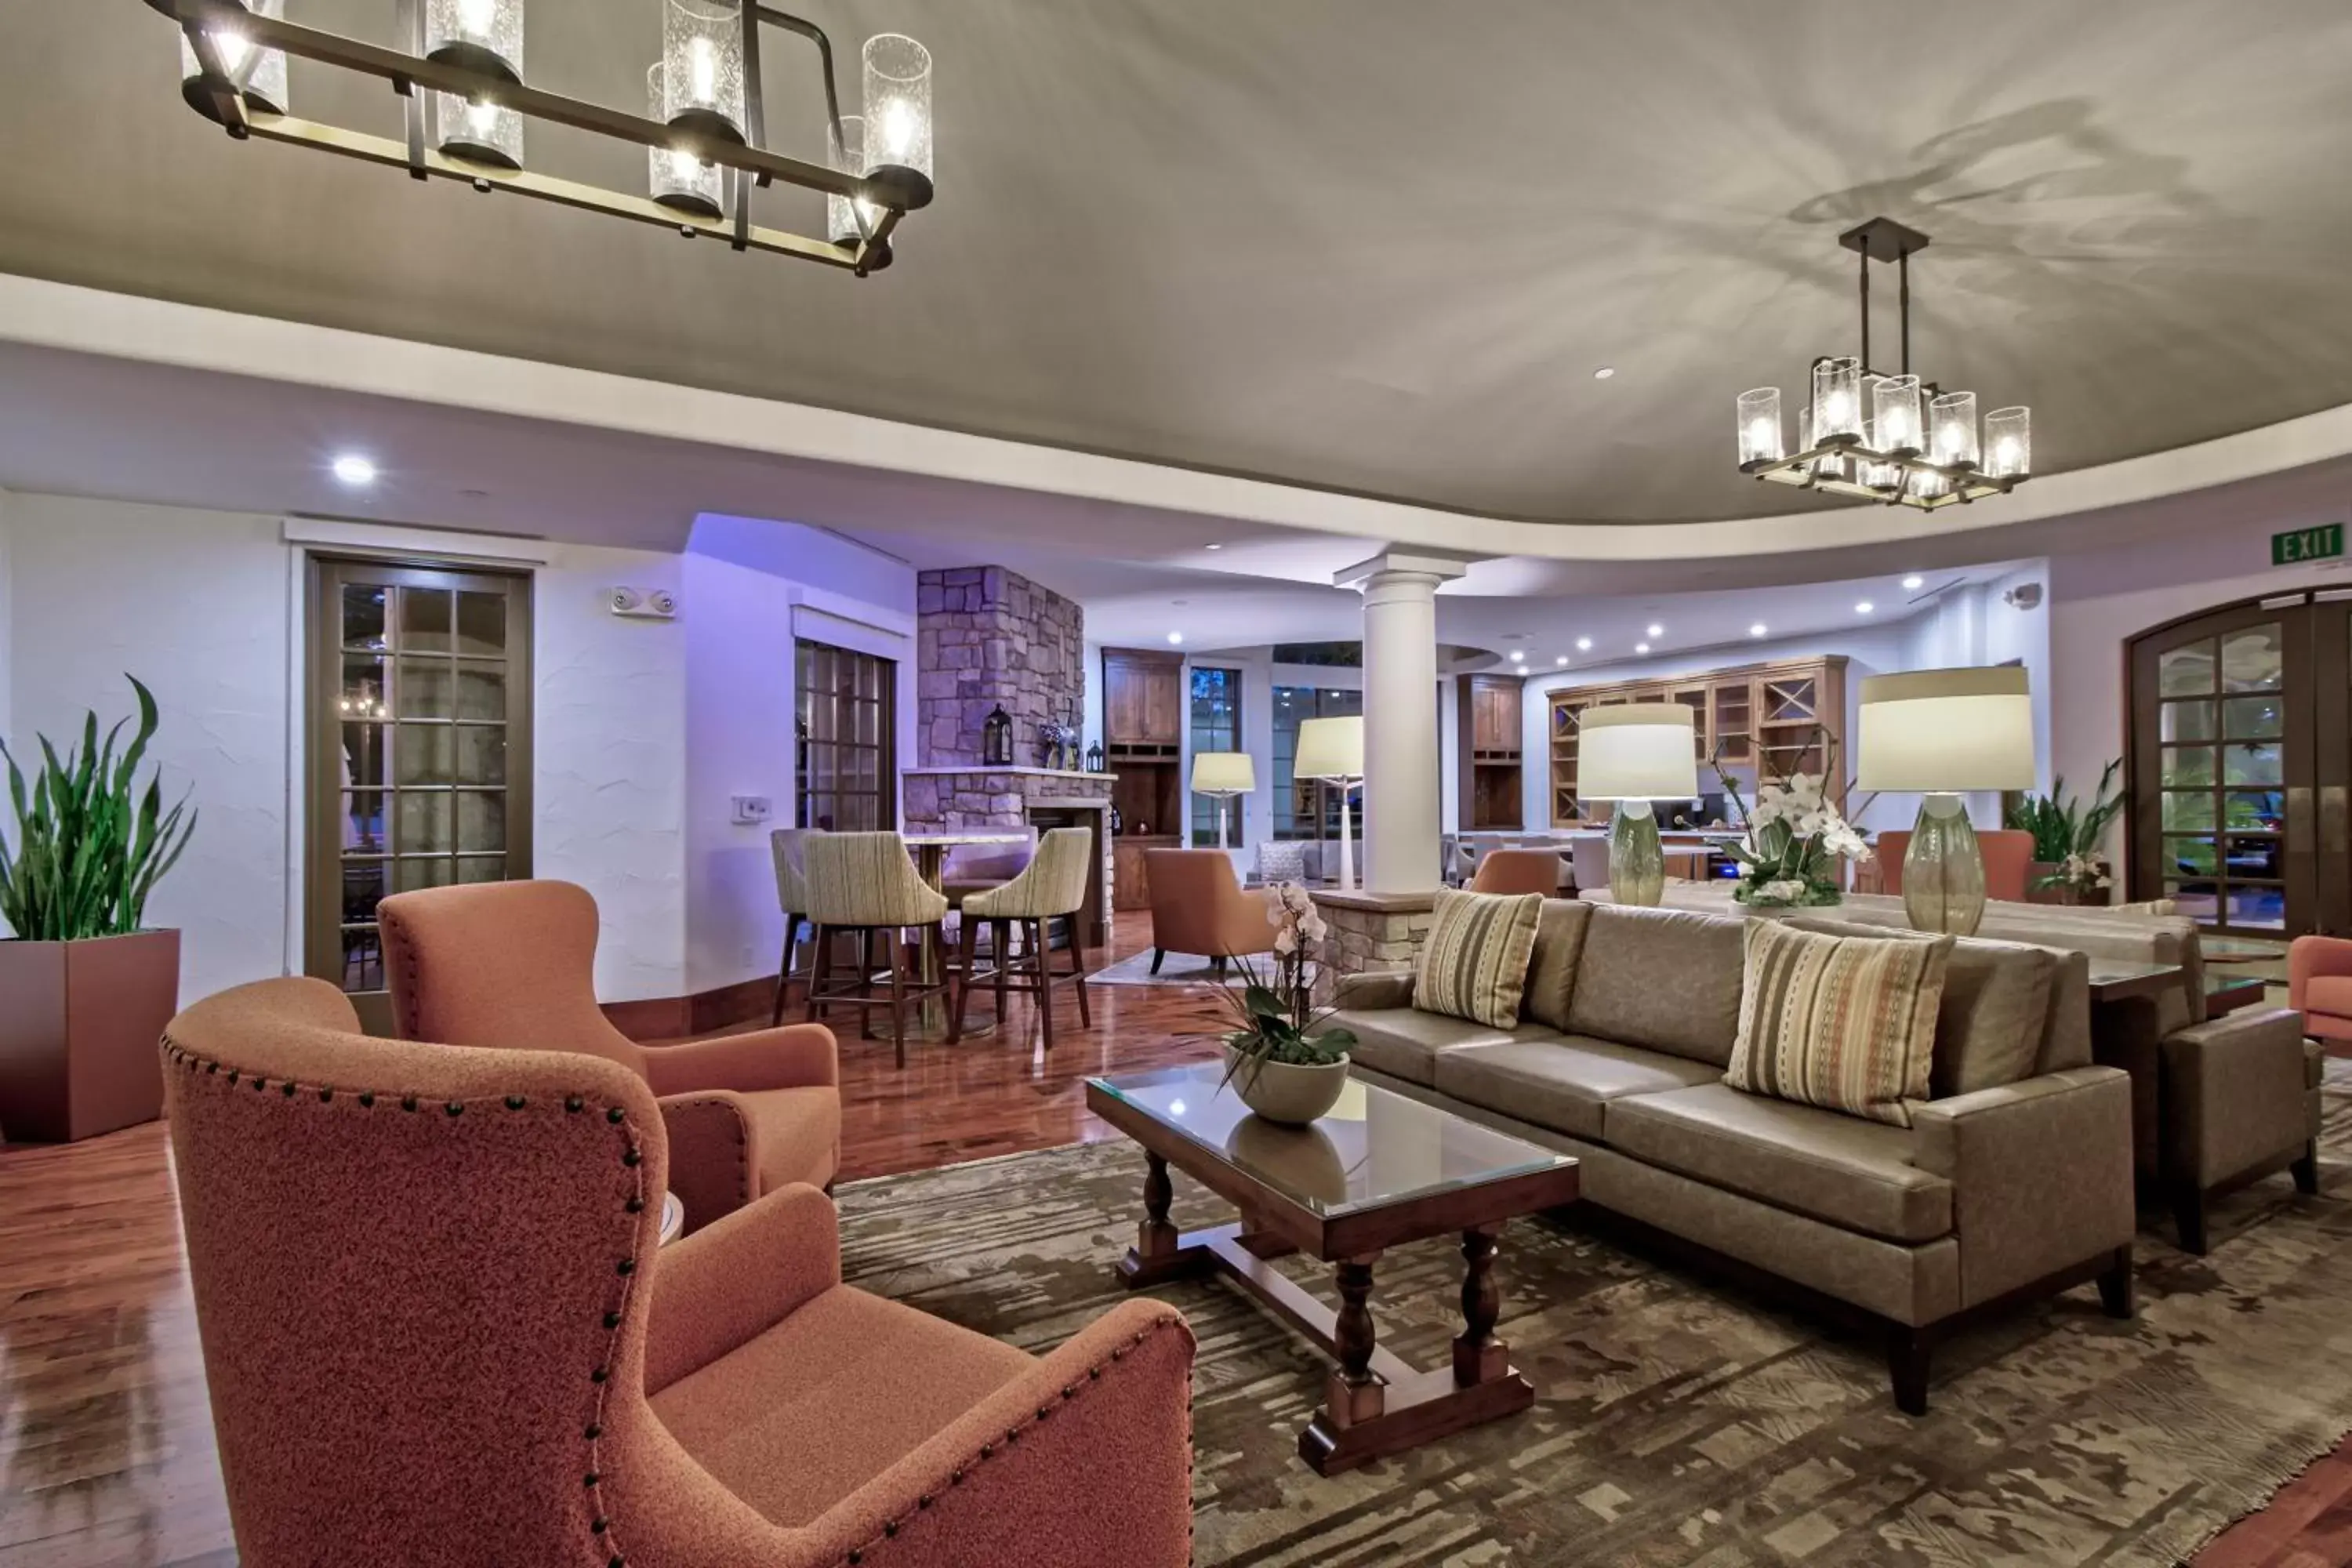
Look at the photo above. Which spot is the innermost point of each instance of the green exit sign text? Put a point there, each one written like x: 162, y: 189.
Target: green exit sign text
x: 2300, y: 544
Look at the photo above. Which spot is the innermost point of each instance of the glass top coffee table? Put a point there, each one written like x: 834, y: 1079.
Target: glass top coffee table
x: 1380, y: 1170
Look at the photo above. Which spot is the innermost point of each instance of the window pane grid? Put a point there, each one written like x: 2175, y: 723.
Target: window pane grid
x: 845, y: 781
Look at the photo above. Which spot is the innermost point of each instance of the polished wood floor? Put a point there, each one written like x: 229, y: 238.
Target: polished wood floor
x: 106, y: 1453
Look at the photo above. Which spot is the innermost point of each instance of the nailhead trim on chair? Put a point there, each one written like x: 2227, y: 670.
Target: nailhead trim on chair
x: 632, y: 1157
x: 891, y: 1527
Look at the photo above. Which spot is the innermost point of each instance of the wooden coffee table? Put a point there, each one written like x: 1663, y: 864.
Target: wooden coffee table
x: 1380, y: 1171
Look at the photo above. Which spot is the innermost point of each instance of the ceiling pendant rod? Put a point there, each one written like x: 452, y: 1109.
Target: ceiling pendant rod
x: 1903, y: 287
x: 1865, y: 312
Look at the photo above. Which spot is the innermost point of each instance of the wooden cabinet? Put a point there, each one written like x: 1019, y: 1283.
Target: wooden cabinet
x: 1130, y: 888
x: 1760, y: 720
x: 1490, y: 748
x: 1143, y: 697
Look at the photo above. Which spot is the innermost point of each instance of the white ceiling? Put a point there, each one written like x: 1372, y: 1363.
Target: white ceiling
x: 1359, y: 245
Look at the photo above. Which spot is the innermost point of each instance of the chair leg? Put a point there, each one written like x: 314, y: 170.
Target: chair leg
x: 1044, y: 980
x: 1000, y: 939
x: 1078, y: 973
x: 898, y: 1001
x: 820, y: 970
x: 968, y: 957
x: 866, y: 939
x: 1908, y: 1352
x: 2116, y: 1289
x: 1159, y: 956
x: 2307, y: 1168
x: 784, y: 968
x: 2189, y: 1217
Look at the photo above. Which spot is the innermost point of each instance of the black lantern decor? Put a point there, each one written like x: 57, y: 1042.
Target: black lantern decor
x: 1093, y: 758
x: 996, y: 740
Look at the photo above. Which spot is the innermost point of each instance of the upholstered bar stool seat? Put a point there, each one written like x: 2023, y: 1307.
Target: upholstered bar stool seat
x: 866, y: 883
x: 984, y: 868
x: 1052, y: 888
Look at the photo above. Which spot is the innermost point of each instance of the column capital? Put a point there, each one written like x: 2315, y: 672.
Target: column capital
x: 1434, y: 565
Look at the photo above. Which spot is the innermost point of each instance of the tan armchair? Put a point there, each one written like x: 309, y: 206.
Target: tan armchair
x: 1199, y: 907
x: 438, y: 1331
x: 513, y: 964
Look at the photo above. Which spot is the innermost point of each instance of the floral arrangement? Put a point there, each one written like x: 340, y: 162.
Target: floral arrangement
x: 2067, y: 834
x: 1796, y: 838
x: 1274, y: 1012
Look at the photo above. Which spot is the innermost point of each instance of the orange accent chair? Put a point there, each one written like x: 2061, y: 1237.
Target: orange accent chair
x: 1519, y: 871
x: 2008, y: 861
x: 439, y: 1331
x: 512, y: 964
x: 1199, y: 906
x: 2319, y: 985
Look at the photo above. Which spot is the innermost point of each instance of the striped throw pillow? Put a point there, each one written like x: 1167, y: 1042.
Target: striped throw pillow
x: 1845, y: 1023
x: 1474, y: 964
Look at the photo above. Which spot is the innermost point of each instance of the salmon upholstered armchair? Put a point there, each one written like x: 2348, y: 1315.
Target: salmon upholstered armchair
x: 438, y: 1331
x: 512, y: 964
x: 1519, y: 871
x: 1198, y: 906
x: 2319, y: 985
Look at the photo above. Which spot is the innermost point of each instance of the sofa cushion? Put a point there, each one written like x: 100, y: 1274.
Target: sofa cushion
x: 1552, y: 968
x: 1404, y: 1042
x: 1561, y: 1081
x: 1995, y: 1012
x: 1475, y: 963
x: 1839, y: 1169
x: 1842, y: 1022
x: 1281, y: 861
x: 1663, y: 979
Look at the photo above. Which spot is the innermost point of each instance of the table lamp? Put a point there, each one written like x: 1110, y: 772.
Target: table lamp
x: 1332, y: 749
x: 1223, y: 775
x: 1940, y: 732
x: 1633, y: 754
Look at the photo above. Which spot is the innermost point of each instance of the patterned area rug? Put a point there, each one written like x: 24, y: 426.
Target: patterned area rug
x: 1179, y: 969
x: 1681, y: 1424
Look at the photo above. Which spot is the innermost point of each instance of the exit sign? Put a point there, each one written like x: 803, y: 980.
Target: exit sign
x: 2300, y: 544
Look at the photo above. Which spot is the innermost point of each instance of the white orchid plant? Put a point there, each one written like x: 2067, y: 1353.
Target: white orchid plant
x: 1796, y: 838
x: 1274, y: 1010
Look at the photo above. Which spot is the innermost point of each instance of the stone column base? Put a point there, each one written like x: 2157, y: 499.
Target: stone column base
x: 1372, y: 931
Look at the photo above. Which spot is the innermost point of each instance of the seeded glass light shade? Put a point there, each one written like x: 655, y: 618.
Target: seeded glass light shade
x: 841, y: 213
x: 2008, y: 442
x: 1633, y: 754
x: 262, y: 72
x: 1952, y: 429
x: 1837, y: 398
x: 899, y: 115
x: 1894, y: 411
x: 680, y: 180
x: 702, y: 66
x: 479, y: 34
x: 1759, y: 426
x: 1939, y: 733
x: 482, y: 133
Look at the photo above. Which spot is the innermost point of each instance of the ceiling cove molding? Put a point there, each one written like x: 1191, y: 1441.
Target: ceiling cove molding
x: 122, y: 326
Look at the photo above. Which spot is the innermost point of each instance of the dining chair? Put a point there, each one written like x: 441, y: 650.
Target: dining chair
x: 1053, y: 886
x: 866, y: 883
x: 785, y: 844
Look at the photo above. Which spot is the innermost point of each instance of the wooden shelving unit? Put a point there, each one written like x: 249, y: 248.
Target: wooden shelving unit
x: 1773, y: 717
x: 1492, y: 750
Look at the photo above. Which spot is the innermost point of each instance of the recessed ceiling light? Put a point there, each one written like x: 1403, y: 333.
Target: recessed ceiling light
x: 1641, y: 648
x: 1657, y: 631
x: 1757, y: 630
x: 1213, y: 547
x: 353, y: 469
x: 1915, y: 580
x: 1175, y: 636
x: 1562, y: 659
x: 1519, y: 655
x: 1865, y: 607
x: 1584, y: 645
x: 1604, y: 373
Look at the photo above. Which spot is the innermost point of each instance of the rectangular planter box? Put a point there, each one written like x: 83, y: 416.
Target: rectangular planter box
x: 79, y: 1022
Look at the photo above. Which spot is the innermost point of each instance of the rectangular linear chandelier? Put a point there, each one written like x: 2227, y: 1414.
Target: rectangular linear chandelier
x: 1918, y: 445
x: 705, y: 131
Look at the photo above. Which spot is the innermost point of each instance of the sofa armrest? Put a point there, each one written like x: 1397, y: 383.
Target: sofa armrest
x: 714, y: 1153
x: 737, y: 1277
x: 2236, y: 1095
x: 2041, y: 1172
x: 1373, y: 991
x: 1084, y: 1460
x: 798, y: 1056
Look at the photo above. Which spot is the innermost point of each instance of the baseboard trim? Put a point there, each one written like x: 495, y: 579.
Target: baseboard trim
x: 676, y: 1017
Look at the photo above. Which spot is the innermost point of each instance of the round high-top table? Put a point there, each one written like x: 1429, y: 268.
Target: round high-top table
x: 930, y: 853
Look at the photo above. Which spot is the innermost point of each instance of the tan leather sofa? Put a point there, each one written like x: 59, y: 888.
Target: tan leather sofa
x: 2014, y: 1181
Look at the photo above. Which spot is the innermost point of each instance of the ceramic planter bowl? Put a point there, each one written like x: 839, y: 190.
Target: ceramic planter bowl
x: 1287, y: 1092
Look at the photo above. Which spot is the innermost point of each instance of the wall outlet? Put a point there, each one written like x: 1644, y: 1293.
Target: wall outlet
x: 753, y: 809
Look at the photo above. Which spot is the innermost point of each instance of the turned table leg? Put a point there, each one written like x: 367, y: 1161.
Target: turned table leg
x: 1354, y: 1393
x: 1158, y: 1254
x: 1478, y: 1355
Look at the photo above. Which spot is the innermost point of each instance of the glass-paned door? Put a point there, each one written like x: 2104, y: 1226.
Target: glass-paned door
x: 2223, y: 760
x: 419, y: 746
x: 1217, y: 726
x: 847, y: 777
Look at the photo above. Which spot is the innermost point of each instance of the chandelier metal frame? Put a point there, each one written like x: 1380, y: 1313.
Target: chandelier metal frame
x: 221, y: 98
x: 1825, y: 465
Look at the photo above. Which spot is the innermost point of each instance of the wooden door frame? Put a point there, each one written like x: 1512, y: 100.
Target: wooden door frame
x: 322, y: 870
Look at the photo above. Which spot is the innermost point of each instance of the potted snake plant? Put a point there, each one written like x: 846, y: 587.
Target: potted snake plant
x: 85, y: 987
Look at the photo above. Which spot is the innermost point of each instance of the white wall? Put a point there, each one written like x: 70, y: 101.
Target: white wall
x: 204, y: 607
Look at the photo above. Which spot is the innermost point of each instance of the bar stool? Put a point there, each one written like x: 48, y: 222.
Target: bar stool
x: 1053, y: 886
x: 864, y: 882
x: 792, y: 893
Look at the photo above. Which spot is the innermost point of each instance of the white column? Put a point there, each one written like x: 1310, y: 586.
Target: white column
x: 1401, y: 817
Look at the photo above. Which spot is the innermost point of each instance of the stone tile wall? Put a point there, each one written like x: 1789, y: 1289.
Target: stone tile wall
x: 987, y: 637
x: 938, y: 801
x: 1372, y: 931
